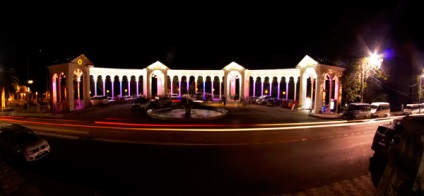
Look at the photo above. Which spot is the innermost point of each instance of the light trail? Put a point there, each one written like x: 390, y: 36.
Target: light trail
x: 188, y: 129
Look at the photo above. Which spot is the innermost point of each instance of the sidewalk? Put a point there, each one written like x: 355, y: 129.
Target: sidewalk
x: 330, y: 115
x: 358, y: 186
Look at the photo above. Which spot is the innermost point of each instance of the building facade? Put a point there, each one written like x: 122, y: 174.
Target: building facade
x: 311, y: 83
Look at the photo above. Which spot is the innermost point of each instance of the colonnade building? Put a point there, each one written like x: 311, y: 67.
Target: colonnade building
x: 312, y: 83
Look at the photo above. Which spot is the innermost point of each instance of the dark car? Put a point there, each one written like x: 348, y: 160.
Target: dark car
x: 141, y: 105
x: 22, y: 143
x: 161, y: 101
x: 385, y: 138
x: 273, y: 102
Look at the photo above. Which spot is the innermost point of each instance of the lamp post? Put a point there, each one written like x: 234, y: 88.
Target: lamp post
x: 420, y: 90
x: 372, y: 62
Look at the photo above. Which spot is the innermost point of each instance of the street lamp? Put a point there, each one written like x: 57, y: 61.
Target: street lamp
x: 372, y: 62
x: 420, y: 90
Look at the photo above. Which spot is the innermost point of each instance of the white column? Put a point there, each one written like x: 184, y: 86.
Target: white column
x: 179, y: 86
x: 145, y: 80
x: 220, y: 84
x: 172, y: 85
x: 136, y: 86
x: 254, y: 87
x: 287, y: 89
x: 278, y: 92
x: 212, y: 87
x: 262, y: 87
x: 104, y: 85
x: 120, y: 86
x: 113, y: 87
x: 188, y: 87
x: 78, y: 88
x: 295, y: 82
x: 331, y: 89
x: 270, y: 88
x: 129, y: 85
x: 312, y: 91
x: 95, y: 87
x: 204, y: 83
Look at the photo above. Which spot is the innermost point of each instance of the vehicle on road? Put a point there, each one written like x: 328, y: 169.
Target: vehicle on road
x: 22, y: 143
x: 7, y: 112
x: 380, y: 109
x: 357, y: 111
x: 414, y: 108
x: 141, y: 105
x: 99, y: 100
x: 161, y: 101
x: 174, y: 96
x: 385, y: 138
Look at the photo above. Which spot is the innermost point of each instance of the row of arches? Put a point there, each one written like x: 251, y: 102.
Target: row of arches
x: 74, y: 83
x: 283, y: 87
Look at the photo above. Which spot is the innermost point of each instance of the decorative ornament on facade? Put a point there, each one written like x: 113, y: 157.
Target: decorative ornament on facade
x: 307, y: 61
x: 78, y: 72
x: 79, y: 62
x: 157, y: 65
x: 233, y: 66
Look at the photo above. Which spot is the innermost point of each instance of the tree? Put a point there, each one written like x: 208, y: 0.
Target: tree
x: 9, y: 82
x: 352, y: 81
x: 359, y: 76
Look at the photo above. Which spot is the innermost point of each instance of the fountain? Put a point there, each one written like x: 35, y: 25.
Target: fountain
x: 188, y: 110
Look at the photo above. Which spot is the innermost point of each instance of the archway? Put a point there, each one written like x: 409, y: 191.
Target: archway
x: 234, y: 83
x: 157, y: 83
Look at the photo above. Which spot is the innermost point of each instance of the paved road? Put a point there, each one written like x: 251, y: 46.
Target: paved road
x: 239, y: 115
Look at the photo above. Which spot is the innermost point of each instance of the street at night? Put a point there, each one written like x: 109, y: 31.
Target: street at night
x: 267, y: 162
x: 262, y: 99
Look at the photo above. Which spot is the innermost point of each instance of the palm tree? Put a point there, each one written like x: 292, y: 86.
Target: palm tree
x: 9, y: 82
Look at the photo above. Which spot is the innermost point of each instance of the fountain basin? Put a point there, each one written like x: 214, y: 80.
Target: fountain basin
x: 179, y: 114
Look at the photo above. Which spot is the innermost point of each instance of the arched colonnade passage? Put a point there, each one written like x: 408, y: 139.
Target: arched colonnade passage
x: 312, y: 83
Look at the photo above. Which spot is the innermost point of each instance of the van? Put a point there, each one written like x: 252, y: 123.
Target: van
x: 357, y: 111
x: 413, y: 108
x: 380, y: 109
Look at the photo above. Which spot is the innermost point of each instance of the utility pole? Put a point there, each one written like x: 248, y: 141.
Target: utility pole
x: 362, y: 81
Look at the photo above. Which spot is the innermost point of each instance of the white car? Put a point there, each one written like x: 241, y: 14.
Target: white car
x: 22, y: 143
x: 99, y: 100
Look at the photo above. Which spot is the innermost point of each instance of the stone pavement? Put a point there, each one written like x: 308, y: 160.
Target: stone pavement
x: 358, y: 186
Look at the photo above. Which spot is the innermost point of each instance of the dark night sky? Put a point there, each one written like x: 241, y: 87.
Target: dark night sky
x: 209, y: 36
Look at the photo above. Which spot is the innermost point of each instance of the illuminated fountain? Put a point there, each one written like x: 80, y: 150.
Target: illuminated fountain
x: 190, y: 110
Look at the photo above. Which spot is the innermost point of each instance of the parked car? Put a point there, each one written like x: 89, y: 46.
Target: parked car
x: 263, y: 99
x: 174, y: 96
x: 385, y: 138
x: 251, y: 99
x: 380, y: 109
x: 7, y: 112
x: 99, y: 100
x: 22, y: 143
x: 161, y: 101
x: 357, y: 111
x: 128, y: 99
x: 415, y: 108
x: 141, y: 105
x: 110, y: 100
x: 273, y: 102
